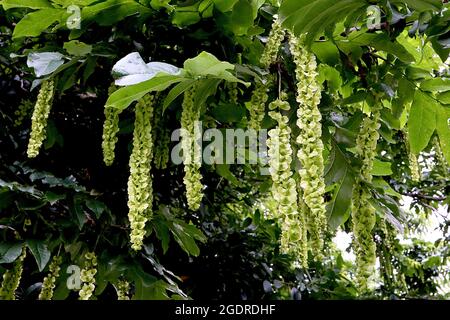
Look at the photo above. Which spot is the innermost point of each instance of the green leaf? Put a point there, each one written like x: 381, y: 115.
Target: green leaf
x: 32, y: 4
x: 123, y: 97
x: 205, y: 88
x: 53, y: 198
x: 205, y: 64
x: 229, y: 112
x: 33, y: 24
x: 97, y: 207
x: 422, y: 121
x: 78, y: 211
x: 339, y: 208
x: 326, y: 52
x: 331, y: 75
x: 162, y: 233
x: 422, y: 5
x: 40, y: 252
x: 242, y: 17
x: 77, y: 48
x: 443, y: 130
x: 10, y: 251
x: 178, y: 90
x: 381, y: 168
x: 108, y: 12
x: 185, y: 235
x: 225, y: 5
x: 436, y: 85
x: 381, y: 42
x: 313, y: 16
x: 444, y: 97
x: 224, y: 171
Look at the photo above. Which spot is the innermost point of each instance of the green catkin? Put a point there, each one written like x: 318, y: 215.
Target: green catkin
x: 22, y: 112
x: 40, y: 117
x: 284, y: 188
x: 310, y: 151
x: 140, y: 189
x: 161, y: 140
x: 191, y: 150
x: 49, y: 283
x: 440, y: 158
x: 363, y: 213
x: 258, y: 105
x: 11, y: 278
x: 87, y: 276
x: 414, y: 166
x: 276, y: 37
x: 110, y: 131
x: 259, y: 96
x: 122, y: 289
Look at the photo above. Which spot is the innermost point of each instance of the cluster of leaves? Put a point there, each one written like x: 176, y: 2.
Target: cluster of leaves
x: 400, y: 62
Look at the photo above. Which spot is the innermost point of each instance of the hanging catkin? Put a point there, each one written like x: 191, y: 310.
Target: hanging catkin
x: 110, y: 130
x: 310, y: 145
x: 11, y: 278
x: 414, y: 166
x: 192, y: 152
x: 363, y: 213
x: 161, y: 139
x: 284, y: 188
x: 440, y: 160
x: 48, y: 285
x: 40, y: 117
x: 122, y: 289
x: 257, y: 105
x: 140, y: 189
x: 87, y: 276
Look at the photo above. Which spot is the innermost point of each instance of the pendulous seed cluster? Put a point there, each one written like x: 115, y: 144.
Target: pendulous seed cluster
x: 161, y: 140
x: 110, y: 130
x: 284, y: 187
x: 11, y: 278
x: 40, y: 117
x: 190, y: 135
x: 257, y: 105
x: 122, y: 289
x: 310, y: 145
x: 276, y: 37
x: 88, y: 276
x: 140, y: 189
x: 363, y: 213
x: 413, y: 162
x: 49, y: 283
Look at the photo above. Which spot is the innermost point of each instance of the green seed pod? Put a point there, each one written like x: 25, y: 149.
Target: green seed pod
x: 122, y: 289
x: 440, y: 160
x: 414, y: 167
x: 140, y: 189
x: 11, y: 278
x: 257, y: 105
x: 363, y: 214
x: 22, y: 112
x: 49, y: 283
x: 161, y: 139
x: 284, y: 188
x: 276, y: 37
x: 88, y: 276
x: 40, y: 117
x: 190, y: 135
x: 110, y: 130
x: 310, y: 144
